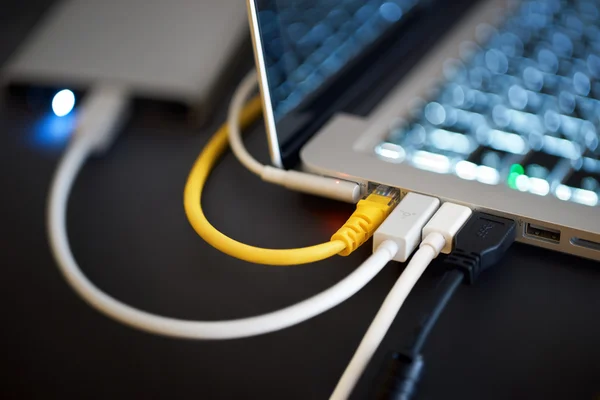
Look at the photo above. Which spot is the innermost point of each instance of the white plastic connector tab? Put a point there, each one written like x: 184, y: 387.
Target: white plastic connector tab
x: 405, y: 223
x: 102, y: 113
x: 332, y: 188
x: 447, y: 221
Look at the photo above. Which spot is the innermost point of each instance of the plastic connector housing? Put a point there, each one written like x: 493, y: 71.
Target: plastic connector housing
x: 370, y: 212
x: 332, y: 188
x: 102, y: 114
x: 405, y: 223
x: 480, y: 244
x: 447, y: 221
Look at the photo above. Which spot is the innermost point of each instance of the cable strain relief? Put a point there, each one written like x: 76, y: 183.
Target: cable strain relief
x: 467, y: 263
x: 353, y: 233
x: 337, y: 189
x: 273, y: 175
x: 102, y: 115
x: 436, y: 241
x: 399, y: 376
x: 361, y: 225
x: 390, y: 247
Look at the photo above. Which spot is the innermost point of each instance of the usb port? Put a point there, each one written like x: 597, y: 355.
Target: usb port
x: 542, y: 233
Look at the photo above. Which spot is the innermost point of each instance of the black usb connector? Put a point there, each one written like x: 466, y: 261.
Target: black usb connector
x: 480, y: 244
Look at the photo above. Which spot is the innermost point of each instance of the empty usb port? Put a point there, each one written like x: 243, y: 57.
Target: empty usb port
x: 542, y: 233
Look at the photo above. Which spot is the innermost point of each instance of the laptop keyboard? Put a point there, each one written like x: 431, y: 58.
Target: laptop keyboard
x: 521, y: 109
x: 307, y: 42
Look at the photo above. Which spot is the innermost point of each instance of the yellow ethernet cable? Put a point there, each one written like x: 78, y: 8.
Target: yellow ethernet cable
x: 369, y: 214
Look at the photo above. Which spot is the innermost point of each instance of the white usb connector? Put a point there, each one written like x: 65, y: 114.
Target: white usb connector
x: 447, y: 221
x: 405, y: 223
x: 102, y: 113
x: 415, y: 218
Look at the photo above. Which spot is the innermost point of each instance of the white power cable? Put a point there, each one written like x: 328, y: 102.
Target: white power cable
x: 238, y: 328
x: 445, y: 223
x: 242, y: 94
x: 112, y: 104
x: 333, y: 188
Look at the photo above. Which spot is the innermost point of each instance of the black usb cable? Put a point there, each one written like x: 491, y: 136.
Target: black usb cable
x: 479, y: 245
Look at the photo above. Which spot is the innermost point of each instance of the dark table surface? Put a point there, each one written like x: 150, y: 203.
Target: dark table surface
x: 528, y: 329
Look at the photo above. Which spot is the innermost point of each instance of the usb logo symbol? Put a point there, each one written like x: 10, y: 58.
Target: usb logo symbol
x: 405, y: 214
x: 485, y: 229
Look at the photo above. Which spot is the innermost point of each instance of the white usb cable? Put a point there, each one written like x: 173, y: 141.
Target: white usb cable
x: 333, y: 188
x: 104, y: 108
x: 403, y: 227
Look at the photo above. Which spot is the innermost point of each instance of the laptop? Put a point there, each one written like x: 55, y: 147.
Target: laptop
x: 492, y: 104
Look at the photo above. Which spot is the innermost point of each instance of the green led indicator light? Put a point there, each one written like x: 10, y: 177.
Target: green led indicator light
x: 512, y: 180
x: 516, y: 170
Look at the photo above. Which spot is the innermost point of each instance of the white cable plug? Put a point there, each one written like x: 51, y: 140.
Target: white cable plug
x: 101, y: 115
x: 333, y: 188
x: 438, y: 234
x: 447, y: 222
x: 405, y: 223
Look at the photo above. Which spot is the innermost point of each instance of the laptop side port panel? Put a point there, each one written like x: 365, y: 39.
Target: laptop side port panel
x: 537, y: 233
